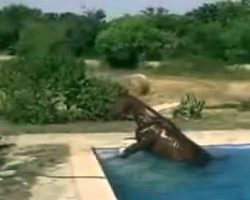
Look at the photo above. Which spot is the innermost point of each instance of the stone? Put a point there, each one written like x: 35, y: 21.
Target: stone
x: 138, y: 84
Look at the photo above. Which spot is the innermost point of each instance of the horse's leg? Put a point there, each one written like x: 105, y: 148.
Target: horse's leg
x: 143, y: 144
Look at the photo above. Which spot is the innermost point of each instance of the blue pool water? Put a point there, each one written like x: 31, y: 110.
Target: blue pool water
x: 144, y: 176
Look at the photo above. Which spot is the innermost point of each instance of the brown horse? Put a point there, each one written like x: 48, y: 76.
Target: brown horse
x: 158, y: 134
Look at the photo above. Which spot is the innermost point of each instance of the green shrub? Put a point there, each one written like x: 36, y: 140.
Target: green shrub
x: 190, y: 107
x: 193, y: 66
x: 53, y: 90
x: 39, y: 39
x: 237, y: 38
x: 123, y: 42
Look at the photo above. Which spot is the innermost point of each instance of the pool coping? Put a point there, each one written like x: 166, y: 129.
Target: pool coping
x: 85, y: 163
x: 93, y: 185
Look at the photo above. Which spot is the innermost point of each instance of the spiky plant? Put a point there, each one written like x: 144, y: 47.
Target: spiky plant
x: 190, y: 107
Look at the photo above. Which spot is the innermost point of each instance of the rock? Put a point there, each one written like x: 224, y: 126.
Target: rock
x: 136, y: 84
x: 7, y: 173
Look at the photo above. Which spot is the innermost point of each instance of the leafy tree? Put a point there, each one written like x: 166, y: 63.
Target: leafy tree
x: 82, y: 30
x: 51, y: 16
x: 176, y: 28
x: 40, y: 39
x: 205, y: 13
x: 54, y: 89
x: 12, y: 20
x: 237, y: 40
x: 96, y: 16
x: 126, y: 39
x: 206, y: 39
x: 223, y: 11
x: 161, y: 19
x: 154, y: 32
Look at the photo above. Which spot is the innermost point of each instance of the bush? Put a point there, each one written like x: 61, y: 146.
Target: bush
x: 193, y: 66
x: 207, y: 39
x: 237, y: 38
x: 123, y: 42
x: 190, y: 107
x: 53, y: 90
x: 39, y: 39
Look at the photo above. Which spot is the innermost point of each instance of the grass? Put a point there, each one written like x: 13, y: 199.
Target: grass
x: 194, y: 66
x: 216, y: 119
x: 7, y: 128
x: 199, y: 67
x: 221, y: 119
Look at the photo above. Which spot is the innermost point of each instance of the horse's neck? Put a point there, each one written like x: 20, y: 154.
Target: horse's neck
x: 153, y: 113
x: 142, y: 118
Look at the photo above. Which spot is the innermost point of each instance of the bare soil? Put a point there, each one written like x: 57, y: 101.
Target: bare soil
x: 45, y: 158
x: 169, y: 89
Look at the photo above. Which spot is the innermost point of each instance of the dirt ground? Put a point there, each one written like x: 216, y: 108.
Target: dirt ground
x: 169, y: 89
x: 36, y: 159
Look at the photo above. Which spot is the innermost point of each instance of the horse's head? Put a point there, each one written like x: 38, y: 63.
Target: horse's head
x: 124, y: 107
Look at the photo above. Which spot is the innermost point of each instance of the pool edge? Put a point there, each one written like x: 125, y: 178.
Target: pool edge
x: 94, y: 184
x: 114, y: 140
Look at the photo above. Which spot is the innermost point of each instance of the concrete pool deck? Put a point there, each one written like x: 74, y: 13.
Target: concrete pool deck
x: 90, y: 182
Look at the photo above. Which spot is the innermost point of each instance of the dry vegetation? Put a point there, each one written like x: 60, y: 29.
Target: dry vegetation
x: 169, y: 89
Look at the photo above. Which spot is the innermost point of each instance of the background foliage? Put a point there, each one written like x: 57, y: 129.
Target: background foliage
x: 125, y: 40
x: 45, y: 83
x: 216, y: 30
x: 53, y: 90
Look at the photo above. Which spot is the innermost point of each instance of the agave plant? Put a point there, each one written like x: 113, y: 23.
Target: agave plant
x: 190, y: 107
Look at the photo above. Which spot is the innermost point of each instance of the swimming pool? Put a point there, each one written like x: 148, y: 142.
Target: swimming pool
x: 144, y: 176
